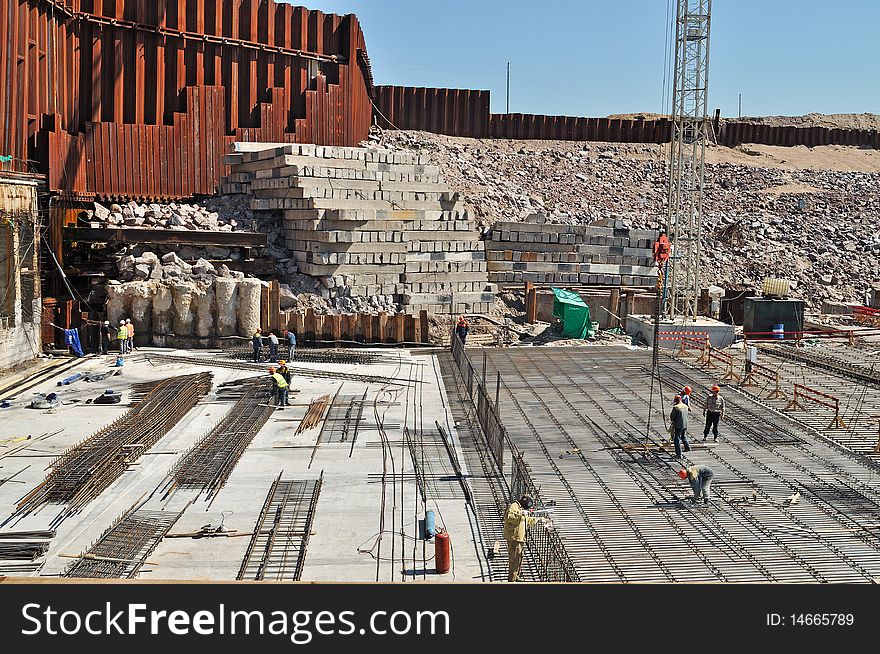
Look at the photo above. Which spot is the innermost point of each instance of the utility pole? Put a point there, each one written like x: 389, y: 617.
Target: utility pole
x: 687, y: 158
x: 740, y: 105
x: 508, y: 88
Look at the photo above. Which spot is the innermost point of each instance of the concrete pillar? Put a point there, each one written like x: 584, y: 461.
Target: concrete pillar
x: 249, y: 291
x: 226, y: 294
x: 141, y: 298
x: 162, y: 323
x: 183, y: 317
x: 203, y: 301
x: 118, y: 303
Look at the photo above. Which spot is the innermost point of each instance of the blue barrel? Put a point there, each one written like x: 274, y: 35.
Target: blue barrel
x: 779, y: 330
x: 430, y: 526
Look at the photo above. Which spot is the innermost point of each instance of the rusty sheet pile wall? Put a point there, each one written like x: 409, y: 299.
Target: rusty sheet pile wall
x: 141, y: 98
x: 457, y: 112
x: 465, y: 112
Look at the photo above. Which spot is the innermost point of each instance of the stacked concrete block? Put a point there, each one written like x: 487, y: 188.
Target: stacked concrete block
x: 544, y: 253
x: 369, y: 222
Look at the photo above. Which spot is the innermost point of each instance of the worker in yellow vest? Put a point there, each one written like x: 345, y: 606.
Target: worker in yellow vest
x: 122, y: 336
x: 281, y: 388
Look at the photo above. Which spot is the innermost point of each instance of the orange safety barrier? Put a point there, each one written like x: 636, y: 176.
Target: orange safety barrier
x: 817, y: 397
x: 753, y: 370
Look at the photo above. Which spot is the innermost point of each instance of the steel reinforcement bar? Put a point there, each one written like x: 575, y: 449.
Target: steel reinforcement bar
x: 84, y: 471
x: 122, y: 550
x: 547, y: 552
x: 296, y: 372
x: 207, y: 466
x: 277, y: 550
x: 854, y: 371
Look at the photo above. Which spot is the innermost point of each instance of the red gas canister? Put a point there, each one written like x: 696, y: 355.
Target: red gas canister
x: 441, y: 552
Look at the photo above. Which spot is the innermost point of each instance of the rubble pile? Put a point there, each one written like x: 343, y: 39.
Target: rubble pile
x: 789, y: 218
x: 149, y: 266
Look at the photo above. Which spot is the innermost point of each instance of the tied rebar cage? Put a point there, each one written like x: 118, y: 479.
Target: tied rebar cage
x: 690, y: 134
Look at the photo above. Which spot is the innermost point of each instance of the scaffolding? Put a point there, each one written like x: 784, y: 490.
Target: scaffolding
x: 690, y: 134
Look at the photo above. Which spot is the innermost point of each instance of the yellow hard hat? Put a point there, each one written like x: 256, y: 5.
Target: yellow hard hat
x: 282, y: 361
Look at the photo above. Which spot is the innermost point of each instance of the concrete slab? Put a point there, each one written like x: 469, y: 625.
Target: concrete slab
x: 368, y: 516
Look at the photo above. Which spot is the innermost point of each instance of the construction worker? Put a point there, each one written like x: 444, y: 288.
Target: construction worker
x: 686, y: 396
x: 462, y: 329
x: 290, y: 339
x: 714, y: 411
x: 515, y: 522
x: 700, y: 479
x: 130, y: 328
x: 273, y: 347
x: 257, y: 344
x: 106, y: 336
x: 679, y: 420
x: 122, y: 336
x: 281, y: 387
x: 284, y: 371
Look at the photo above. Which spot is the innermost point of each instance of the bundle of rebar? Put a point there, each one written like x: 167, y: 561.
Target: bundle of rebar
x: 277, y: 549
x: 296, y: 372
x: 122, y: 550
x: 209, y: 463
x: 28, y: 535
x: 314, y: 414
x: 85, y: 470
x: 23, y: 551
x: 312, y: 356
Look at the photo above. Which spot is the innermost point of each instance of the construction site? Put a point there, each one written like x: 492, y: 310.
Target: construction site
x: 328, y: 330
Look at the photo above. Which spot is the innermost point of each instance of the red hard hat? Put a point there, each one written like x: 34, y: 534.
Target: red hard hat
x: 716, y: 388
x: 677, y: 398
x: 683, y: 473
x: 687, y: 390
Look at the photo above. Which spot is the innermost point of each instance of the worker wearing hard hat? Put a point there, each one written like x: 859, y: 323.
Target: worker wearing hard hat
x: 714, y: 411
x: 284, y: 371
x: 679, y: 424
x: 281, y: 388
x: 686, y: 396
x: 122, y: 337
x: 257, y: 344
x: 700, y: 479
x: 515, y: 522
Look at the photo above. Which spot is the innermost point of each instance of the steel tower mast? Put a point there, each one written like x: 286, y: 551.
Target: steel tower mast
x: 690, y: 134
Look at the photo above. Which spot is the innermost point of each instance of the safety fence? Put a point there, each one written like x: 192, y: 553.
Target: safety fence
x: 806, y: 393
x: 710, y: 358
x: 546, y: 550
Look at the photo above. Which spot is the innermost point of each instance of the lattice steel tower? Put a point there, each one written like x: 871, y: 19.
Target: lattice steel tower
x: 690, y: 133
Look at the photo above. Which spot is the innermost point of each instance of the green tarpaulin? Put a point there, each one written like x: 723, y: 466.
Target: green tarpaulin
x: 573, y: 312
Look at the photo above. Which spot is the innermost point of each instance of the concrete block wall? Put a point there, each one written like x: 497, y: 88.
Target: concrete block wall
x: 536, y: 251
x: 370, y: 222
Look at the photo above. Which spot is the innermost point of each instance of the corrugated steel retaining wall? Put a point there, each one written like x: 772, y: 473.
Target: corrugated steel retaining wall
x: 457, y: 112
x: 465, y: 112
x: 140, y: 98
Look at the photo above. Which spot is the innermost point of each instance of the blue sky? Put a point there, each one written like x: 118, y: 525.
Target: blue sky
x: 593, y: 58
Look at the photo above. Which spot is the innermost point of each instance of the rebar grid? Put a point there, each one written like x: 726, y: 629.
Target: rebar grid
x: 351, y: 357
x: 576, y: 414
x: 122, y: 550
x: 277, y: 549
x: 84, y: 471
x: 253, y: 367
x: 209, y: 463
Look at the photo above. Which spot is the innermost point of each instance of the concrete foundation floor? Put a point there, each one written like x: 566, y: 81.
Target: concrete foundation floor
x: 369, y: 515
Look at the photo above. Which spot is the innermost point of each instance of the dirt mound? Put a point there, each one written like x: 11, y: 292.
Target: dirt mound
x: 833, y: 121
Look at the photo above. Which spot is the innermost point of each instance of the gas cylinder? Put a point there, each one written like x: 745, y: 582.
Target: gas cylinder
x: 441, y: 552
x: 430, y: 525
